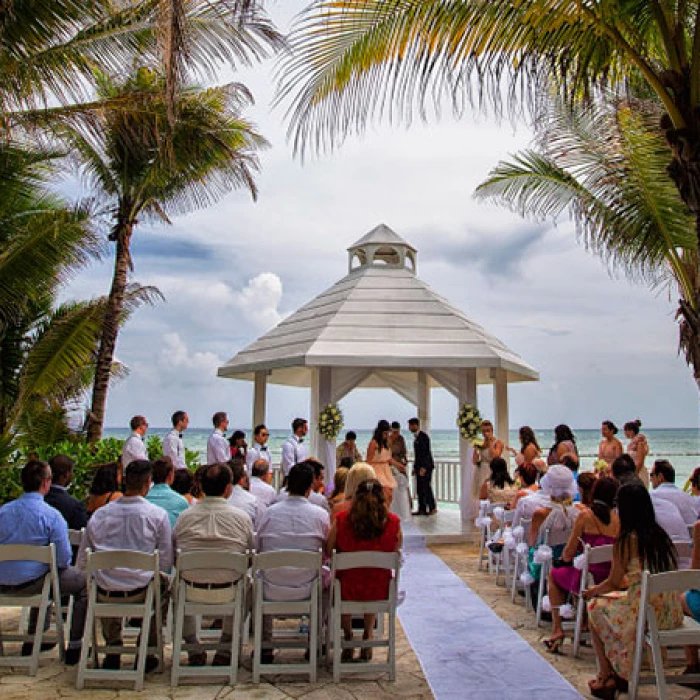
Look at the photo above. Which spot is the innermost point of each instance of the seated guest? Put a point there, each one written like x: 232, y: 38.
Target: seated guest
x: 367, y: 527
x: 499, y: 487
x: 527, y: 475
x: 30, y: 520
x: 348, y: 450
x: 529, y: 499
x: 260, y: 479
x: 339, y: 479
x: 240, y: 497
x: 559, y: 514
x: 135, y: 524
x: 360, y: 471
x: 105, y: 486
x: 596, y: 527
x: 663, y: 478
x: 642, y: 544
x: 161, y: 493
x: 213, y: 524
x: 691, y: 603
x: 183, y: 481
x: 72, y: 510
x: 586, y: 481
x: 293, y: 523
x: 318, y: 499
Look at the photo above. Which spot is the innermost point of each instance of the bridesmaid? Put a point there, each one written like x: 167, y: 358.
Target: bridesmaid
x: 529, y: 447
x: 492, y: 447
x: 379, y: 456
x: 637, y: 449
x: 610, y: 447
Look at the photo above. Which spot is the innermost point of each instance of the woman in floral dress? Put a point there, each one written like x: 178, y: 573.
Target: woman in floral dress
x: 642, y: 544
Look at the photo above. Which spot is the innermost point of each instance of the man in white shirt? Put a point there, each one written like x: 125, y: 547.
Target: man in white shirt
x: 294, y: 451
x: 258, y: 450
x: 218, y: 449
x: 261, y: 477
x: 212, y: 524
x: 134, y: 447
x: 242, y: 498
x: 133, y: 523
x: 172, y: 442
x: 663, y: 478
x: 316, y: 495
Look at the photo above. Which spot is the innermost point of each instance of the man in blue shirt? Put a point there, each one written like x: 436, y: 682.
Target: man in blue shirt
x: 162, y: 495
x: 29, y: 520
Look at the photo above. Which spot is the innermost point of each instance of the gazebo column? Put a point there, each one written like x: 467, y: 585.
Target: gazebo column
x: 321, y: 385
x: 423, y: 401
x: 500, y: 402
x: 466, y: 393
x: 259, y: 397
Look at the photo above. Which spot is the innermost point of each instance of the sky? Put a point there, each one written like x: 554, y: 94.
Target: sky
x: 605, y: 348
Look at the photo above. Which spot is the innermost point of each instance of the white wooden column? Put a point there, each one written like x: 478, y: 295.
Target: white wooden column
x: 259, y: 398
x: 320, y: 397
x: 466, y: 394
x: 500, y: 403
x: 423, y: 401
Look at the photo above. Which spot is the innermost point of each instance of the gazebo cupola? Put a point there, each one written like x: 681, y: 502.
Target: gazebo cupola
x: 381, y: 247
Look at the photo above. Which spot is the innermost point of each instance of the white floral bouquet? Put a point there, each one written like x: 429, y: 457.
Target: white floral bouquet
x: 469, y: 423
x: 330, y: 421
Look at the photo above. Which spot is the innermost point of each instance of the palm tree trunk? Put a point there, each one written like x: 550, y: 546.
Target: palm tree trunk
x: 110, y: 331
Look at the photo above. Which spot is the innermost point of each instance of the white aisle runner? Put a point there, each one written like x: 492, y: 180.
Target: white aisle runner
x: 464, y: 648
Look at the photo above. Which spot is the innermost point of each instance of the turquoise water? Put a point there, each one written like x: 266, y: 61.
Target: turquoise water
x: 680, y: 446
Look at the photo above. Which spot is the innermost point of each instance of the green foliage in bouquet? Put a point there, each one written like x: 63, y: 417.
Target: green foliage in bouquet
x: 330, y: 421
x: 469, y: 423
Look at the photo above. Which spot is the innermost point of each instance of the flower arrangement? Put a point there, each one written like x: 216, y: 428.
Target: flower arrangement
x: 469, y: 423
x: 600, y: 466
x: 330, y: 421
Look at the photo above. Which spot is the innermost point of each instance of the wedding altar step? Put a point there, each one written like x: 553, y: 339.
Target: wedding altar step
x: 445, y: 527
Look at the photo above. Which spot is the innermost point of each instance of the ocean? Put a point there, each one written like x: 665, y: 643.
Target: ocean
x: 680, y: 446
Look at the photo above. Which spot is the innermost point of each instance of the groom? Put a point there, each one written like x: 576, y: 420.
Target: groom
x: 423, y: 466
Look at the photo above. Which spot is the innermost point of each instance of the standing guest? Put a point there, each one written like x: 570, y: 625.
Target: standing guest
x: 294, y: 450
x: 491, y: 447
x: 499, y: 487
x: 663, y: 478
x: 642, y: 544
x: 218, y: 449
x: 564, y: 446
x: 317, y: 488
x: 240, y: 497
x: 30, y: 520
x: 348, y: 449
x: 423, y: 467
x: 637, y: 448
x: 238, y: 445
x: 104, y: 488
x: 402, y: 503
x: 596, y: 527
x: 162, y: 494
x: 529, y: 447
x: 172, y: 442
x: 339, y: 479
x: 258, y: 450
x: 183, y: 483
x: 366, y: 527
x: 379, y: 456
x: 359, y: 472
x: 260, y: 479
x: 212, y: 525
x: 135, y: 524
x: 72, y: 510
x: 134, y: 447
x: 610, y: 447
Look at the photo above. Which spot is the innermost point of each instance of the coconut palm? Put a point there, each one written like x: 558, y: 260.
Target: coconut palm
x: 145, y: 170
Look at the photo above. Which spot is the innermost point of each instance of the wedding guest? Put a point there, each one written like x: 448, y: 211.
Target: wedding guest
x: 490, y: 448
x: 161, y: 493
x: 564, y: 446
x: 663, y: 478
x: 610, y: 447
x: 238, y: 445
x: 401, y: 504
x: 637, y: 448
x: 529, y: 447
x: 72, y: 510
x: 134, y: 447
x: 183, y: 481
x: 691, y: 607
x: 366, y: 527
x: 259, y: 449
x: 339, y: 479
x: 317, y: 488
x: 294, y: 451
x: 218, y: 449
x: 499, y: 487
x: 379, y: 456
x: 360, y: 471
x: 240, y: 496
x: 527, y: 475
x: 642, y: 544
x: 173, y: 446
x: 348, y: 449
x: 694, y: 482
x: 596, y: 527
x: 260, y: 479
x: 105, y: 486
x: 586, y: 481
x: 557, y: 516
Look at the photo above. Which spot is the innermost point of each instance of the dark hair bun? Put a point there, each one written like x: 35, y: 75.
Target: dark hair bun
x: 637, y: 422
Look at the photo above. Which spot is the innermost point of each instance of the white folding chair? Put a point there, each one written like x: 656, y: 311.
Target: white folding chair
x: 520, y: 565
x: 649, y: 633
x: 592, y: 555
x: 186, y: 604
x: 309, y: 606
x: 386, y: 606
x: 684, y: 553
x: 504, y: 520
x: 483, y: 523
x: 50, y: 595
x: 151, y: 605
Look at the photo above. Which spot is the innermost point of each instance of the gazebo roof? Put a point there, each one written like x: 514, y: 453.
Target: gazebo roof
x: 382, y: 318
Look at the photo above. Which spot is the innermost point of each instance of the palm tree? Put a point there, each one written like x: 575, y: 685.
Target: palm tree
x: 353, y: 61
x: 147, y: 170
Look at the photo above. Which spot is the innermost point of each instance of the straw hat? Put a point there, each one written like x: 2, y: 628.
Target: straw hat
x: 559, y: 482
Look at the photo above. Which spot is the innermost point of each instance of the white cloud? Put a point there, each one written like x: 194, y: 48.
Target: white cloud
x: 259, y: 299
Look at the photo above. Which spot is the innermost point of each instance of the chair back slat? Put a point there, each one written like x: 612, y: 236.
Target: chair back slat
x: 365, y: 560
x: 672, y: 581
x: 297, y: 559
x: 208, y: 559
x: 122, y: 559
x: 601, y: 554
x: 41, y: 554
x: 75, y: 537
x: 684, y: 549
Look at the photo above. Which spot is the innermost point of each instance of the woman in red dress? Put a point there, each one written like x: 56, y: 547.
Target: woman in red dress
x: 367, y: 526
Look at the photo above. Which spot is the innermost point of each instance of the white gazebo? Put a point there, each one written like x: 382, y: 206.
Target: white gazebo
x: 381, y: 326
